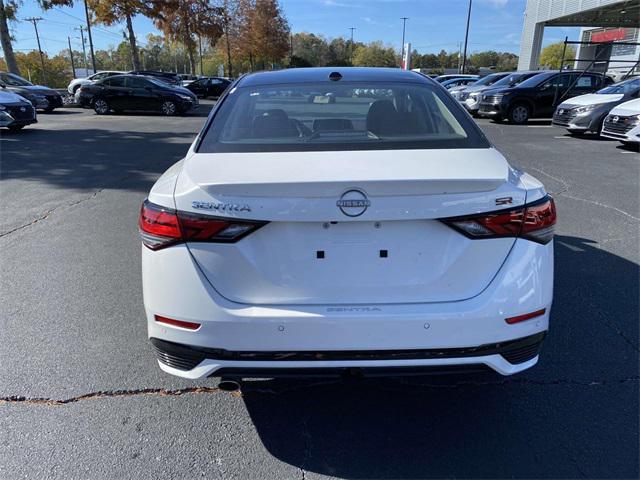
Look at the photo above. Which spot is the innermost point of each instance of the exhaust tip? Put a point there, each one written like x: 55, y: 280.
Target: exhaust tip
x: 228, y: 385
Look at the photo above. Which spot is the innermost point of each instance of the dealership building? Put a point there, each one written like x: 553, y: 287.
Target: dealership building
x: 615, y: 21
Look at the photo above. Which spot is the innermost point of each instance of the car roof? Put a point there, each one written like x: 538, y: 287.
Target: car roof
x: 321, y: 74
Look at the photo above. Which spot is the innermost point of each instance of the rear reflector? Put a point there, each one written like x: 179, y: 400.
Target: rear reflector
x: 534, y: 222
x: 526, y: 316
x: 161, y: 227
x: 177, y: 323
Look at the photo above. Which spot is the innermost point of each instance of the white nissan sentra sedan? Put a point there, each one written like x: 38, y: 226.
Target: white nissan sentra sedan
x: 312, y: 231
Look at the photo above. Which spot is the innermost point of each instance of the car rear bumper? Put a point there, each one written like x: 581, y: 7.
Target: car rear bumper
x: 174, y: 287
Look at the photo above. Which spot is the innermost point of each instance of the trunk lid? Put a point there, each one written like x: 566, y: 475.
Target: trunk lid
x: 348, y: 227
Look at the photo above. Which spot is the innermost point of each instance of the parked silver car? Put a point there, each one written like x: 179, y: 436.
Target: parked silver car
x: 586, y: 113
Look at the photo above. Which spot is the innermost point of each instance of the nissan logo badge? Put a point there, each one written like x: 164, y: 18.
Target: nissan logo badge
x: 353, y: 203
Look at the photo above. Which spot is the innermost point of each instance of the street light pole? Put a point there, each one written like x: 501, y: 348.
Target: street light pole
x: 351, y: 53
x: 466, y: 38
x: 404, y: 23
x: 35, y: 21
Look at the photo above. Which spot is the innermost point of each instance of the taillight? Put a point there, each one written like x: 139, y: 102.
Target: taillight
x: 161, y: 227
x: 158, y: 226
x: 534, y: 222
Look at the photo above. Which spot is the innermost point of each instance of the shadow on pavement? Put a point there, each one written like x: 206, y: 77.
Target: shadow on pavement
x: 92, y: 158
x: 574, y: 415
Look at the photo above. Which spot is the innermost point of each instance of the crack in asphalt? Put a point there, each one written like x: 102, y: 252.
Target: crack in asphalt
x: 46, y: 214
x: 600, y: 204
x: 162, y: 392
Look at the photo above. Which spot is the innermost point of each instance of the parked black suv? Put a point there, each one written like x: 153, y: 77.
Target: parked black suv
x: 135, y: 92
x: 536, y: 97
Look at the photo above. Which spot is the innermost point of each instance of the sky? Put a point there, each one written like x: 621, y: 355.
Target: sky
x: 432, y: 25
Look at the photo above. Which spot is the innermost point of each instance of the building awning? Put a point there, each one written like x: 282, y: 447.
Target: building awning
x: 619, y: 14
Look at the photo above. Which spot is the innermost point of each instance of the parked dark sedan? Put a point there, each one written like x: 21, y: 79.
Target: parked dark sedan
x: 42, y: 98
x: 135, y: 92
x: 209, y: 86
x: 16, y: 112
x: 538, y: 96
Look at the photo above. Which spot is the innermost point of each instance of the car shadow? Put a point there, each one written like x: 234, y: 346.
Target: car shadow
x: 92, y: 158
x: 628, y: 146
x: 543, y: 423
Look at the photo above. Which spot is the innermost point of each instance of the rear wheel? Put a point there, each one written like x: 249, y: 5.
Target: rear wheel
x: 168, y: 108
x: 49, y: 109
x: 16, y: 128
x: 101, y: 106
x: 519, y: 114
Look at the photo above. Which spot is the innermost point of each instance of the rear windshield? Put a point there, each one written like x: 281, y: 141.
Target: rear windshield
x: 339, y: 116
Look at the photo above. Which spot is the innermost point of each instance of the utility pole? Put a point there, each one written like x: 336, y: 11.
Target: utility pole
x: 73, y: 65
x: 466, y: 38
x: 35, y: 21
x: 93, y: 57
x: 84, y: 52
x: 352, y: 29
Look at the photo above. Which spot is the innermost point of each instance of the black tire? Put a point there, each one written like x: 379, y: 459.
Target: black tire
x: 49, y: 109
x: 519, y: 114
x: 101, y: 106
x: 16, y: 128
x: 576, y: 133
x: 168, y: 108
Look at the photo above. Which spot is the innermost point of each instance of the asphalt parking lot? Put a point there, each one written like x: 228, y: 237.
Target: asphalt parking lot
x: 81, y: 395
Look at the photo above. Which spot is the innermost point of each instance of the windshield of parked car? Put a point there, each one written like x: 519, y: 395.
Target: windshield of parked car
x: 344, y: 116
x: 511, y: 80
x: 628, y: 86
x: 159, y: 82
x: 535, y: 80
x: 488, y: 80
x: 14, y: 80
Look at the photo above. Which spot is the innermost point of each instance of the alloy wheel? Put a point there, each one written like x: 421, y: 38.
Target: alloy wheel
x: 168, y: 108
x: 520, y: 114
x: 101, y: 106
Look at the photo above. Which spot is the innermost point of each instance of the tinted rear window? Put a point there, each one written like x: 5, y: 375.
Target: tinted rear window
x: 339, y: 116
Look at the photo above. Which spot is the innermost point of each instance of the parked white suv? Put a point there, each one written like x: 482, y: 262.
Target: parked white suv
x: 308, y: 230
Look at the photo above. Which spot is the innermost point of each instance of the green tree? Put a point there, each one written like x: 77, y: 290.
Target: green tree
x: 374, y: 55
x: 551, y: 55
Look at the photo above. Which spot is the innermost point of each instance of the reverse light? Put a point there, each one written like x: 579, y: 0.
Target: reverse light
x: 161, y: 227
x: 534, y: 221
x: 526, y: 316
x: 177, y: 323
